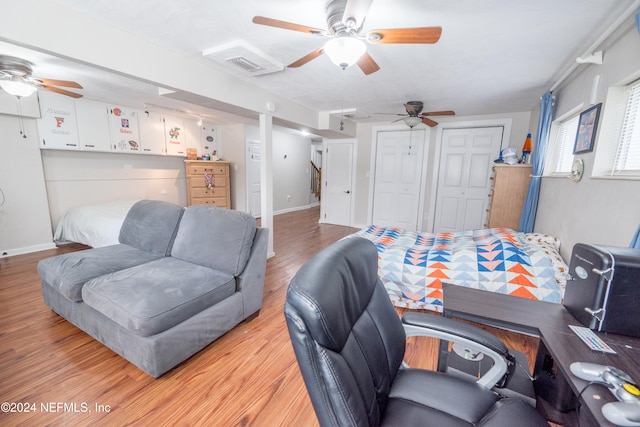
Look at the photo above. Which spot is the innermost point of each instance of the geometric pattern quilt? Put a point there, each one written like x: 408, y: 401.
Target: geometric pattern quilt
x: 413, y: 265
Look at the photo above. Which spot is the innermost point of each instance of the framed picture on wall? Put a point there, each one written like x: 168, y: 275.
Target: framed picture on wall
x: 587, y: 127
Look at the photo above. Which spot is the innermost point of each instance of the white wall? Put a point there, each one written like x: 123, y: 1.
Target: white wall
x: 291, y: 177
x: 24, y: 213
x: 290, y: 174
x: 594, y: 210
x: 232, y: 139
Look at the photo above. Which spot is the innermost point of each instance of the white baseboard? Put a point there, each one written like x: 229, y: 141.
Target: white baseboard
x: 4, y: 253
x: 297, y: 208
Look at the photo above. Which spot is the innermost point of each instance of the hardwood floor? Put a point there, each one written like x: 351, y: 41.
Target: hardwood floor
x: 55, y: 374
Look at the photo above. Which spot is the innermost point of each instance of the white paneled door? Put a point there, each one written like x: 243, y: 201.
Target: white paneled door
x: 464, y: 183
x: 253, y: 178
x: 398, y: 177
x: 337, y: 180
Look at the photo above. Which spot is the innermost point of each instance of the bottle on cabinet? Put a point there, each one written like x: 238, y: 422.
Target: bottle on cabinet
x: 526, y: 150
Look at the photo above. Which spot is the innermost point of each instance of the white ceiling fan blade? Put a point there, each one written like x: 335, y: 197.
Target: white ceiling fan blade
x: 354, y: 13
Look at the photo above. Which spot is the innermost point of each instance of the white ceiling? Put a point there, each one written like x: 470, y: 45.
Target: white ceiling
x: 494, y: 56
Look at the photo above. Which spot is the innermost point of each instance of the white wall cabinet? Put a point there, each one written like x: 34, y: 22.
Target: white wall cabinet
x: 68, y: 124
x: 174, y: 136
x: 124, y: 130
x: 209, y: 139
x: 152, y: 132
x: 57, y: 125
x: 193, y: 135
x: 93, y: 125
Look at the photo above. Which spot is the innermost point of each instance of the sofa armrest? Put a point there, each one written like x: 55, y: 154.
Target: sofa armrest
x: 251, y: 281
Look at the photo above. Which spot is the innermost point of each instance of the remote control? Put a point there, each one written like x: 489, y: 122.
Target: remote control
x: 591, y: 339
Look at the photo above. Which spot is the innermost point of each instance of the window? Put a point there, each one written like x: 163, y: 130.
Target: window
x: 628, y: 153
x: 618, y: 150
x: 560, y: 156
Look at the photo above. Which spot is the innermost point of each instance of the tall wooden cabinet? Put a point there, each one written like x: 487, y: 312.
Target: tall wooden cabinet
x: 510, y: 184
x: 208, y: 183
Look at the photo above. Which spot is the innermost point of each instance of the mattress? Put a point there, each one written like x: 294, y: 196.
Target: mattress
x: 94, y: 225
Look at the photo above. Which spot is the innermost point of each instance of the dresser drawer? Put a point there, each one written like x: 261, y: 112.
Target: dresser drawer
x: 210, y: 201
x: 198, y: 169
x: 205, y: 192
x: 199, y: 182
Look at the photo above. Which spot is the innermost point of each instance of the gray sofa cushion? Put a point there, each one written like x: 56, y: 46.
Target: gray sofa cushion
x: 68, y: 272
x: 215, y: 237
x: 151, y: 226
x: 151, y: 298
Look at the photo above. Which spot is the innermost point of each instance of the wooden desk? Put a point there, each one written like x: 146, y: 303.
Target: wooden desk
x: 550, y: 322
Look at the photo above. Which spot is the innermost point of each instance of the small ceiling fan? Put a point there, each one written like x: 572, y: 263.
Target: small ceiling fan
x: 345, y: 19
x: 415, y: 115
x: 16, y: 79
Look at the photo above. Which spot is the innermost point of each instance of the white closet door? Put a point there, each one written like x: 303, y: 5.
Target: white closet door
x: 398, y: 177
x: 464, y: 176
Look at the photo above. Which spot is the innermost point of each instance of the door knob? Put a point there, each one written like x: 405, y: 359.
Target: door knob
x: 348, y: 192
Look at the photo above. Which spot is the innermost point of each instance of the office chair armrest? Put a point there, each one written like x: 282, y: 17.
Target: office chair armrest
x: 460, y: 329
x: 422, y: 324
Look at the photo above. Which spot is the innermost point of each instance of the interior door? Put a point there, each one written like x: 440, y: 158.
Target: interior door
x: 253, y: 178
x: 337, y: 179
x: 464, y: 183
x: 398, y: 176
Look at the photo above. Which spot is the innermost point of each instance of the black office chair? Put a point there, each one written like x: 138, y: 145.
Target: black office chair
x: 350, y: 344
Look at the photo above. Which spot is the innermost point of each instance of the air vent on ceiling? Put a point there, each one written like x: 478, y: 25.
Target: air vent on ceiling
x: 358, y: 115
x: 242, y: 56
x: 245, y: 64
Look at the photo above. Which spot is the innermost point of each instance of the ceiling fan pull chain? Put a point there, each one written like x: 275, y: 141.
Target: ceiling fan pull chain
x: 342, y: 110
x: 20, y: 118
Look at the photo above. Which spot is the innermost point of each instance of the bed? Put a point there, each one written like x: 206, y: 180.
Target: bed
x: 93, y: 225
x: 413, y: 265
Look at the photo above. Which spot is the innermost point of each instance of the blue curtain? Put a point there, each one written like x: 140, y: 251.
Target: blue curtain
x: 528, y: 218
x: 635, y: 242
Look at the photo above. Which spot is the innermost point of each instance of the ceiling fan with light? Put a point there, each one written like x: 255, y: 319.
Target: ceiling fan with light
x: 16, y: 79
x: 415, y: 116
x: 346, y: 47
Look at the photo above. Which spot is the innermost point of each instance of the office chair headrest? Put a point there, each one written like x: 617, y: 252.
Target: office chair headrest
x: 346, y: 271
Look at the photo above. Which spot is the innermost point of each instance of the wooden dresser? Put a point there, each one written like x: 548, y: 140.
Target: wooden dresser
x: 509, y: 189
x: 198, y: 172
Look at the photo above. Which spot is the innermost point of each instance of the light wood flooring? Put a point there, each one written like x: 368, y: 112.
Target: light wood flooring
x: 56, y: 374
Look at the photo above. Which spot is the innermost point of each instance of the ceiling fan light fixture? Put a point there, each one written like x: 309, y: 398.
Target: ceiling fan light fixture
x: 16, y: 86
x: 412, y: 121
x: 344, y: 51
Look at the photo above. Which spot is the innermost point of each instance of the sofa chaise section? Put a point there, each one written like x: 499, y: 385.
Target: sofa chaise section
x: 147, y: 234
x: 159, y: 313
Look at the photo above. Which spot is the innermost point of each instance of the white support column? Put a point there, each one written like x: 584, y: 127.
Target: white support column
x: 266, y: 178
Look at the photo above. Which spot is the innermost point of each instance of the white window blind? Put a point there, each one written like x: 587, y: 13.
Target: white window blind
x: 627, y: 159
x: 562, y: 158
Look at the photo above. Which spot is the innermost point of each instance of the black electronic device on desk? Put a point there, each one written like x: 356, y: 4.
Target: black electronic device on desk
x: 604, y: 293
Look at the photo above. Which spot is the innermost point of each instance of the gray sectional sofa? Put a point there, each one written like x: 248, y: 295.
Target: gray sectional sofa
x: 178, y: 279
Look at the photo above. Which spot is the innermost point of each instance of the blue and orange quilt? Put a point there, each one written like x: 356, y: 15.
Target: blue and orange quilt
x: 413, y: 265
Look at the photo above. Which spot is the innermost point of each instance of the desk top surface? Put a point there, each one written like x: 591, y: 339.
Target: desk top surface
x: 551, y: 323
